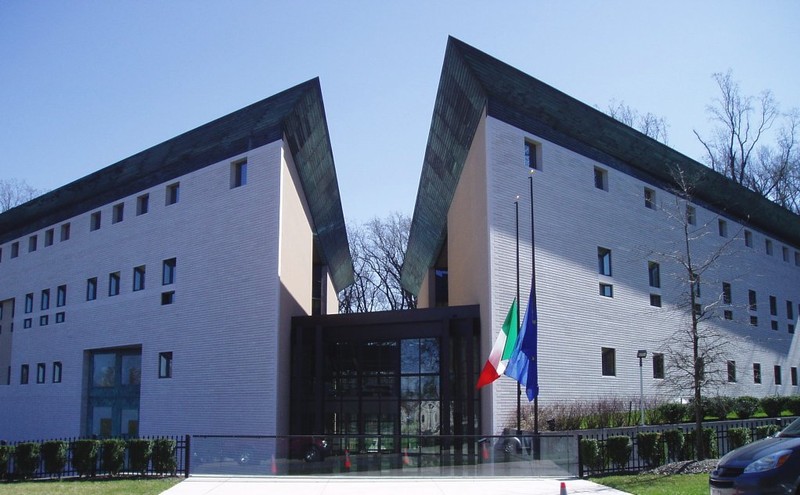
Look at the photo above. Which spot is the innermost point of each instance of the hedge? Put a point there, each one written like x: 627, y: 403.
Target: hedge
x: 592, y: 454
x: 738, y: 437
x: 619, y: 448
x: 652, y: 448
x: 745, y: 406
x: 709, y: 444
x: 84, y: 456
x: 112, y: 459
x: 673, y: 412
x: 6, y: 451
x: 773, y: 405
x: 164, y: 456
x: 26, y: 457
x: 674, y: 440
x: 140, y: 452
x: 765, y: 431
x: 54, y: 453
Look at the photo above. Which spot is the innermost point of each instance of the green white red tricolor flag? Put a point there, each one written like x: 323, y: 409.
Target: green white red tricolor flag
x: 502, y: 349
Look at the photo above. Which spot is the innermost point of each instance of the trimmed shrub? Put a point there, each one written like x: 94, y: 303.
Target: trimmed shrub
x: 26, y: 459
x: 84, y: 456
x: 690, y: 407
x: 54, y: 454
x: 773, y: 405
x: 738, y: 437
x: 164, y: 456
x: 718, y: 407
x: 672, y: 412
x: 592, y: 454
x: 619, y: 448
x: 674, y: 441
x: 709, y: 444
x: 793, y: 404
x: 6, y: 451
x: 112, y: 459
x: 140, y: 452
x: 652, y: 449
x: 765, y: 431
x: 745, y: 406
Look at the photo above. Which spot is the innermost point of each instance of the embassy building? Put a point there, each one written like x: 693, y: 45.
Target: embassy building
x: 200, y: 275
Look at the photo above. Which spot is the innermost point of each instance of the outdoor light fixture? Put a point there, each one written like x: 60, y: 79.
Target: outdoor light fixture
x: 641, y: 354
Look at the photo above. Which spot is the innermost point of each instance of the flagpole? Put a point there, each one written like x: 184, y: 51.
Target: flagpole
x: 519, y: 387
x: 533, y: 301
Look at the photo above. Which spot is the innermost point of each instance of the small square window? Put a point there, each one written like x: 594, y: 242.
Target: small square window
x: 790, y: 328
x: 91, y: 289
x: 601, y: 179
x: 756, y: 373
x: 655, y: 300
x: 23, y: 374
x: 607, y: 290
x: 748, y: 238
x: 609, y: 358
x: 774, y: 324
x: 65, y: 232
x: 754, y: 321
x: 32, y: 243
x: 43, y: 320
x: 649, y: 198
x: 57, y: 372
x: 532, y: 158
x: 691, y: 215
x: 768, y: 247
x: 731, y: 371
x: 40, y: 373
x: 723, y: 228
x: 60, y: 317
x: 95, y: 221
x: 113, y: 283
x: 142, y: 204
x: 138, y: 278
x: 604, y: 261
x: 165, y: 365
x: 27, y: 323
x: 728, y: 314
x: 118, y: 213
x: 238, y: 173
x: 167, y: 297
x: 658, y: 366
x: 14, y: 249
x: 49, y: 235
x: 173, y: 193
x: 168, y: 271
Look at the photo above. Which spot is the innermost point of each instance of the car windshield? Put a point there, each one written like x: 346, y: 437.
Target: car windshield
x: 793, y: 430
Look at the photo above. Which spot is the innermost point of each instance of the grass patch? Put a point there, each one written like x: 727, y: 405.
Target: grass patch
x: 654, y: 484
x: 74, y: 486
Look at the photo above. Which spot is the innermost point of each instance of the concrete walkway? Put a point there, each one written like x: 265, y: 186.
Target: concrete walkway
x: 215, y: 485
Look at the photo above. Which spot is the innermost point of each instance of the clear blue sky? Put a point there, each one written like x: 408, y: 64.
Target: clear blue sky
x: 84, y: 84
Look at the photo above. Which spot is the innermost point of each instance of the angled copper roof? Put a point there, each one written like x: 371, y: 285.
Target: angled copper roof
x: 297, y: 114
x: 472, y: 81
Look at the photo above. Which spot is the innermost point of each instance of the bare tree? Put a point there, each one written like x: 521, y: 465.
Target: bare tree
x: 14, y: 192
x: 378, y: 248
x: 649, y: 124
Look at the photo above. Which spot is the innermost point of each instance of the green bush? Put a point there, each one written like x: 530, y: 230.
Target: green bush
x: 745, y: 406
x: 690, y: 408
x: 164, y: 456
x: 592, y: 454
x: 738, y: 437
x: 674, y: 440
x: 54, y: 454
x: 765, y: 431
x: 26, y: 459
x: 793, y: 404
x: 709, y: 444
x: 84, y: 456
x: 719, y: 406
x: 112, y: 459
x: 652, y: 448
x: 619, y: 448
x: 672, y: 412
x: 773, y: 405
x: 140, y: 452
x: 6, y: 451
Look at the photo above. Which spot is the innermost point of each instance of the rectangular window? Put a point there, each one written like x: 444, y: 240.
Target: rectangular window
x: 731, y: 371
x: 748, y: 238
x: 607, y: 290
x: 752, y: 300
x: 797, y: 258
x: 43, y: 320
x: 655, y: 300
x: 138, y: 278
x: 40, y: 373
x: 113, y: 284
x: 654, y: 274
x: 27, y: 323
x: 23, y: 374
x: 57, y: 372
x: 49, y: 235
x: 723, y: 228
x: 777, y: 372
x: 168, y: 272
x: 29, y: 303
x: 91, y: 289
x: 793, y: 375
x: 118, y: 213
x: 238, y: 173
x: 785, y: 252
x: 531, y: 156
x: 789, y: 310
x: 165, y: 365
x: 727, y: 314
x: 167, y: 297
x: 658, y: 366
x: 649, y: 198
x: 691, y: 215
x: 45, y: 300
x: 95, y: 220
x: 609, y: 361
x: 756, y: 373
x: 790, y: 328
x: 65, y: 232
x: 32, y: 243
x: 173, y: 193
x: 142, y: 204
x: 15, y: 249
x: 754, y: 321
x: 773, y: 305
x: 61, y: 296
x: 604, y: 261
x: 601, y: 179
x: 768, y: 246
x: 60, y: 317
x: 774, y: 325
x: 727, y: 295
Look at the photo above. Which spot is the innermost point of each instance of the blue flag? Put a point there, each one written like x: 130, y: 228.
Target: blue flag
x: 522, y: 365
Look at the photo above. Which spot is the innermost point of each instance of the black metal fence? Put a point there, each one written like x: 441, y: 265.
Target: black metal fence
x: 181, y: 461
x: 721, y: 443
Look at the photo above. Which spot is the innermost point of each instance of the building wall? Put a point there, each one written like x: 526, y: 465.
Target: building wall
x: 573, y: 219
x: 222, y: 328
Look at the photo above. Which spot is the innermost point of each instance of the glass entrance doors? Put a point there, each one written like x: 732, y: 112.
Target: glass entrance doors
x: 113, y: 393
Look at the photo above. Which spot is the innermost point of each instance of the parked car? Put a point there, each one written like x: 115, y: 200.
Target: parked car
x: 766, y: 467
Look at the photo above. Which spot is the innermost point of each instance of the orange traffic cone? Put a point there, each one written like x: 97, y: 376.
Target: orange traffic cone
x: 347, y: 460
x: 485, y: 452
x: 406, y: 459
x: 274, y: 465
x: 563, y: 488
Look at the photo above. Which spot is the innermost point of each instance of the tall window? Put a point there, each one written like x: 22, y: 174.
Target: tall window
x: 95, y: 220
x: 726, y: 293
x: 691, y: 215
x: 601, y: 179
x: 773, y: 306
x: 793, y: 375
x: 40, y: 373
x: 142, y: 204
x: 768, y: 246
x: 173, y: 193
x: 604, y: 261
x: 531, y: 158
x: 731, y: 371
x: 29, y: 303
x: 789, y: 310
x: 118, y: 213
x: 756, y: 372
x: 239, y: 173
x: 752, y: 300
x: 91, y: 289
x: 113, y: 284
x: 649, y: 198
x: 165, y: 365
x: 49, y: 235
x: 609, y: 357
x: 45, y: 301
x: 168, y: 272
x: 777, y: 373
x: 658, y: 366
x: 57, y: 372
x: 23, y: 374
x: 32, y: 243
x: 654, y: 274
x: 138, y: 278
x: 748, y: 238
x: 15, y: 249
x: 61, y: 296
x: 65, y: 232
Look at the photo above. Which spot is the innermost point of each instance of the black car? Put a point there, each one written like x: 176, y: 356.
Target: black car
x: 766, y: 467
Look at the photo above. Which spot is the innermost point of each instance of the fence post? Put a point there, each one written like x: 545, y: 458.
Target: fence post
x: 187, y: 455
x: 580, y: 460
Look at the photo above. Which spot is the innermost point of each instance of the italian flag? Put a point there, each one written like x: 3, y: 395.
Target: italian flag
x: 502, y: 349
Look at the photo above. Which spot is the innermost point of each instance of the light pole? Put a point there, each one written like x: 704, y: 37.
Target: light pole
x: 641, y: 354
